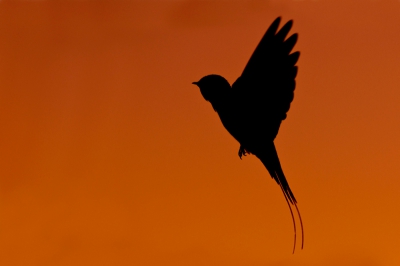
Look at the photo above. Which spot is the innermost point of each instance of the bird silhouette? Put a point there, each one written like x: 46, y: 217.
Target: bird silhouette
x: 253, y: 108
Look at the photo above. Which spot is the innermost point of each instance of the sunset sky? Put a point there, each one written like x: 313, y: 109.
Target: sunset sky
x: 110, y: 156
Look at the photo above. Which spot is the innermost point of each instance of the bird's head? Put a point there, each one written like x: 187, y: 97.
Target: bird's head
x: 212, y: 87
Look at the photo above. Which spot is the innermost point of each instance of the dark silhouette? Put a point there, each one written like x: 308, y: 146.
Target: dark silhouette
x: 253, y: 108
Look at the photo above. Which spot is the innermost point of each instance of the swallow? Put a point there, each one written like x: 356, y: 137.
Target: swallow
x: 253, y: 108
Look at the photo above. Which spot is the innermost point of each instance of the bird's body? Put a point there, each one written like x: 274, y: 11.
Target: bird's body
x: 253, y: 108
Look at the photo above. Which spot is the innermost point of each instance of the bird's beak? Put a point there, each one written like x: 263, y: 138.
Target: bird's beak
x: 195, y: 83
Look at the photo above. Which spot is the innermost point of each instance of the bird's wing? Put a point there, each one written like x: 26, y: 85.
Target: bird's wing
x: 266, y: 86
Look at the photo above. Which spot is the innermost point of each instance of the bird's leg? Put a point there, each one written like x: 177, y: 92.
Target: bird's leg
x: 242, y: 152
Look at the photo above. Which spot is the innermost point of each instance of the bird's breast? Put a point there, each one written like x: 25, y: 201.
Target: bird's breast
x: 232, y: 119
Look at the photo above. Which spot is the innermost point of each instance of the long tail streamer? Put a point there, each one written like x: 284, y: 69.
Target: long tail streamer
x: 290, y: 201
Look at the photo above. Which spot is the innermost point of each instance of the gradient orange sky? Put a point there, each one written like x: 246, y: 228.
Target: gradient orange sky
x: 110, y: 156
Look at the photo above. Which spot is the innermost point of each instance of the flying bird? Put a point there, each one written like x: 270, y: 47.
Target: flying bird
x: 253, y: 108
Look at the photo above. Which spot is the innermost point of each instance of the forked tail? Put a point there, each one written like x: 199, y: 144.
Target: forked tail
x: 271, y: 162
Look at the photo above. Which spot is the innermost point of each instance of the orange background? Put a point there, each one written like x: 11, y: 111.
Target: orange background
x: 110, y: 156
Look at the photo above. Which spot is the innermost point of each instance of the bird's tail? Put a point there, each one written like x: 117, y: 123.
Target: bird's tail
x: 271, y: 162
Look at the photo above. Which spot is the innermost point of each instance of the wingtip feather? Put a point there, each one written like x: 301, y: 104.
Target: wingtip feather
x: 274, y: 26
x: 282, y: 33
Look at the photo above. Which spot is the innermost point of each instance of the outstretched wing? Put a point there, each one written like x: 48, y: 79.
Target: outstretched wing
x: 266, y: 86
